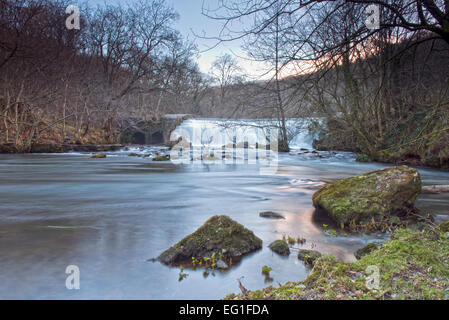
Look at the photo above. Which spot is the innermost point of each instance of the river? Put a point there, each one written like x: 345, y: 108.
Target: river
x: 109, y: 216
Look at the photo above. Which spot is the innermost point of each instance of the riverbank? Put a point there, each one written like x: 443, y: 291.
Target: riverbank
x: 411, y: 265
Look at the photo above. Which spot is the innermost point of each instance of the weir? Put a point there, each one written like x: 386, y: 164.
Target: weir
x: 241, y: 133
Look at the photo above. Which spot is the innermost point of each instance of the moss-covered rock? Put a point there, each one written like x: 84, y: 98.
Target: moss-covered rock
x: 280, y: 247
x: 219, y: 235
x: 363, y: 158
x: 133, y: 154
x: 372, y: 196
x: 370, y: 247
x: 161, y: 158
x: 308, y: 256
x: 271, y: 215
x: 98, y: 156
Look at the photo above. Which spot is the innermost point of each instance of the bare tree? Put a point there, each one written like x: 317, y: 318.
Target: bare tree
x: 226, y: 72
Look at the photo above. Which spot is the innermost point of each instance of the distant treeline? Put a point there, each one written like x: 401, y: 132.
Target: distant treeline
x: 383, y: 92
x: 58, y: 84
x: 377, y: 71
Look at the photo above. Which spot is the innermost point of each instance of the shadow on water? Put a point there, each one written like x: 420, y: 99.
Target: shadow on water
x: 320, y: 218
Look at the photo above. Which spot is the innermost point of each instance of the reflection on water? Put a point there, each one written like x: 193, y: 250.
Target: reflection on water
x: 109, y: 216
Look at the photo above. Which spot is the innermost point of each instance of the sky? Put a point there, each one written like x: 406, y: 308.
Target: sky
x: 192, y: 23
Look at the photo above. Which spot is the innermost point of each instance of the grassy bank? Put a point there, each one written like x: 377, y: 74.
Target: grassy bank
x: 412, y: 265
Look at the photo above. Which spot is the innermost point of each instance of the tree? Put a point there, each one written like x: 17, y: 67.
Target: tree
x: 226, y: 72
x: 378, y: 88
x: 58, y: 84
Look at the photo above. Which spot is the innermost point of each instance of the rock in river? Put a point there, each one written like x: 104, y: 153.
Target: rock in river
x: 271, y: 215
x: 161, y: 158
x: 98, y: 156
x: 308, y: 256
x: 280, y: 247
x: 218, y: 233
x: 444, y: 226
x: 375, y: 195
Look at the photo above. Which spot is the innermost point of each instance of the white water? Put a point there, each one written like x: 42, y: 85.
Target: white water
x: 221, y: 132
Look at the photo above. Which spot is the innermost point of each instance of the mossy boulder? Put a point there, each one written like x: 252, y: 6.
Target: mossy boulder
x: 271, y: 215
x: 280, y: 247
x: 308, y: 256
x: 372, y: 196
x: 133, y: 154
x: 98, y: 156
x: 219, y: 235
x: 161, y: 158
x: 370, y: 247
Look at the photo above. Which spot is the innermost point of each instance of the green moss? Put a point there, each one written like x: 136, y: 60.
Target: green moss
x: 266, y: 270
x: 444, y: 227
x: 385, y: 156
x: 280, y: 247
x: 370, y: 247
x: 133, y: 154
x: 291, y: 241
x: 373, y: 196
x: 308, y: 256
x: 161, y: 158
x: 98, y: 156
x: 394, y: 220
x: 219, y: 236
x: 412, y: 265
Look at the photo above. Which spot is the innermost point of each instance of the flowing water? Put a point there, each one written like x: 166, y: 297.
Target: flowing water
x: 109, y: 216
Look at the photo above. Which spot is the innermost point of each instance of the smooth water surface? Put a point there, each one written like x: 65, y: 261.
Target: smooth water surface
x: 109, y: 216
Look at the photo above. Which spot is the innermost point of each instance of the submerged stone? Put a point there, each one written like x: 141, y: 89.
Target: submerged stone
x: 271, y: 215
x: 370, y: 247
x: 280, y: 247
x: 219, y: 235
x: 372, y: 196
x: 161, y: 158
x: 308, y: 256
x: 98, y: 156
